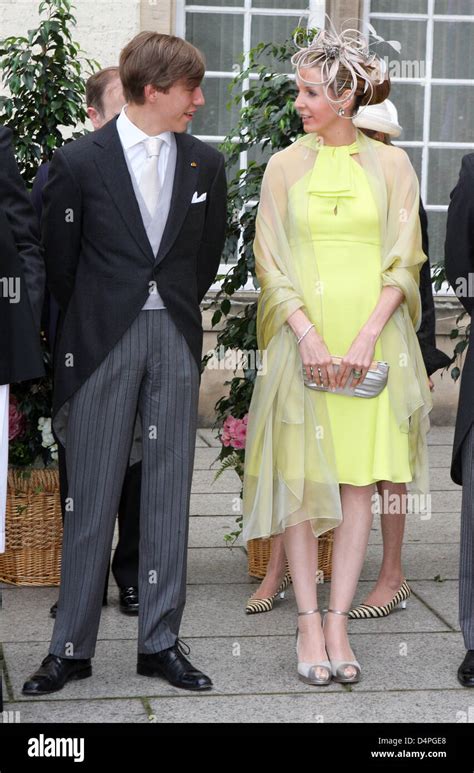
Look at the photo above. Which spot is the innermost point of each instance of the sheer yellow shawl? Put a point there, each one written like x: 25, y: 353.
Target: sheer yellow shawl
x: 290, y: 473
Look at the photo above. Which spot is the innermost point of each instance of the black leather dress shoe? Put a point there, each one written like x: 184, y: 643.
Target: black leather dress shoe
x: 129, y: 600
x: 173, y: 666
x: 54, y: 608
x: 466, y: 670
x: 53, y: 674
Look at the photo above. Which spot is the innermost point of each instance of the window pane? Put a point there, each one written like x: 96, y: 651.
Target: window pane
x: 261, y: 156
x: 412, y: 38
x: 464, y: 7
x: 437, y: 235
x: 414, y: 154
x: 408, y: 99
x: 230, y: 171
x: 453, y: 46
x: 443, y: 173
x: 401, y: 6
x: 218, y: 36
x: 452, y: 113
x: 254, y: 154
x: 300, y: 5
x: 273, y: 29
x: 221, y: 3
x: 214, y: 117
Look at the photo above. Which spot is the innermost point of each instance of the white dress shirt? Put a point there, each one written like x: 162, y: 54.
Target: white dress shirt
x: 132, y: 139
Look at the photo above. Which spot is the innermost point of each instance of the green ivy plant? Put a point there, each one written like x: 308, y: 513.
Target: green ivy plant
x: 44, y: 73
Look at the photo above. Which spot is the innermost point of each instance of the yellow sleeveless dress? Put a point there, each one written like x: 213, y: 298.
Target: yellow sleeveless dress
x: 343, y: 219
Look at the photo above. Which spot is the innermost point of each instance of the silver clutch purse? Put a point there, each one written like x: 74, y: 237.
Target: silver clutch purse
x: 371, y: 386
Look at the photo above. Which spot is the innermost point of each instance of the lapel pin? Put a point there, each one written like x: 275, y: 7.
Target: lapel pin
x: 193, y: 163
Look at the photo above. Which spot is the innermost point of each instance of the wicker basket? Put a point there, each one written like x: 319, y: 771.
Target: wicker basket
x: 33, y: 528
x: 258, y: 554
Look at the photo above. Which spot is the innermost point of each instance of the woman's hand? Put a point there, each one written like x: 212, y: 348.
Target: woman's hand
x: 359, y: 358
x: 317, y: 360
x: 361, y: 354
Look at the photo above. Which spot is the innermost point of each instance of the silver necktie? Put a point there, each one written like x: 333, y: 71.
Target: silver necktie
x: 150, y: 180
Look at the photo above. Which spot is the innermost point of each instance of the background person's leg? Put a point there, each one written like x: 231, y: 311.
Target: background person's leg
x: 392, y: 523
x: 125, y: 560
x: 466, y: 559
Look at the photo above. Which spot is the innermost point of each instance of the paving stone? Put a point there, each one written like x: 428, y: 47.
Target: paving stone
x: 258, y: 665
x: 438, y: 559
x: 209, y: 437
x: 251, y: 658
x: 439, y: 527
x: 319, y: 706
x: 38, y: 711
x: 215, y: 504
x: 209, y: 531
x: 439, y: 435
x: 204, y: 481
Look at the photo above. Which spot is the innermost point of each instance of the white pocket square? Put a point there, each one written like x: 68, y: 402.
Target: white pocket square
x: 197, y: 199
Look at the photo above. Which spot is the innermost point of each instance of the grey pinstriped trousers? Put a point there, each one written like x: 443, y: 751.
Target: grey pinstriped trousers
x: 466, y: 561
x: 151, y: 370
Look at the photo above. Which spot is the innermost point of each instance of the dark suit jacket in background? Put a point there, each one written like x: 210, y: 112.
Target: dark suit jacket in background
x: 459, y: 263
x: 50, y: 316
x: 433, y: 358
x: 20, y: 256
x: 99, y: 260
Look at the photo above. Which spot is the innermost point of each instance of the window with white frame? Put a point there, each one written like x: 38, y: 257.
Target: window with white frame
x: 224, y: 31
x: 433, y: 90
x: 432, y: 78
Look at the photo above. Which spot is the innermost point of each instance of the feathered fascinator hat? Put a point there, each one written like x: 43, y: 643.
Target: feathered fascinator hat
x: 345, y: 60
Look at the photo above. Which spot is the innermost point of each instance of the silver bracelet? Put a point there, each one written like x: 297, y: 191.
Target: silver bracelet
x: 298, y: 340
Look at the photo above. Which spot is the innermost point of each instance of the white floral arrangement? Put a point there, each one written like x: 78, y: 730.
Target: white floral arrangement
x: 44, y: 426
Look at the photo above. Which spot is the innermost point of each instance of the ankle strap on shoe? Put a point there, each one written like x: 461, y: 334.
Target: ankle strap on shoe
x: 337, y: 612
x: 310, y: 612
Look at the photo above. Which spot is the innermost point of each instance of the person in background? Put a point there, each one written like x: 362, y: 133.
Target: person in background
x: 104, y: 100
x: 22, y: 277
x: 459, y: 264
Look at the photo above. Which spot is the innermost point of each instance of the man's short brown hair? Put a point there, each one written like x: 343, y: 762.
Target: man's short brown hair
x: 96, y: 87
x: 159, y: 60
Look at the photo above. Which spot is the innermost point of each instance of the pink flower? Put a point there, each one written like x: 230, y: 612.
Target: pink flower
x: 227, y: 431
x: 234, y: 432
x: 16, y: 420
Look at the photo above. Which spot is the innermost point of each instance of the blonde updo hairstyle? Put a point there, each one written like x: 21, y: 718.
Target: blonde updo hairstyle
x: 363, y: 96
x: 345, y: 63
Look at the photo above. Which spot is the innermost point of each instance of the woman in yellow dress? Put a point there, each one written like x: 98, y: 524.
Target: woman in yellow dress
x: 338, y: 254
